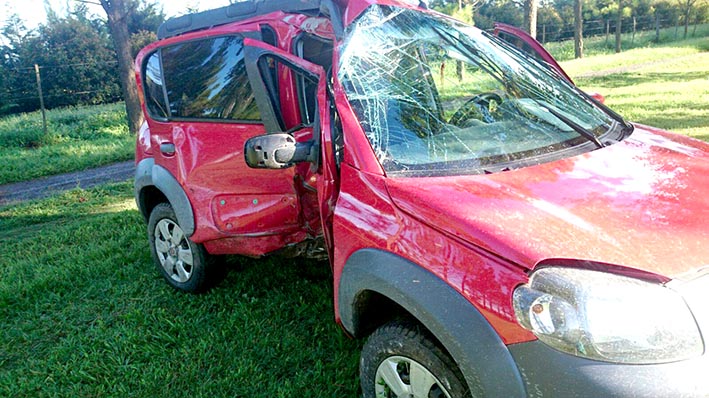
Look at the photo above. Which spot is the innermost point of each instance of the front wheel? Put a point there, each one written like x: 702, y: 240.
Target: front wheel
x: 184, y: 264
x: 401, y: 359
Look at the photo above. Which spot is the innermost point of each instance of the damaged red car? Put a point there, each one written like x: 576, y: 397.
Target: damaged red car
x: 492, y: 229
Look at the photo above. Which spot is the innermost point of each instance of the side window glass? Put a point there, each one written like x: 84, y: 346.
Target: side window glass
x: 521, y: 45
x: 318, y: 51
x: 206, y: 79
x: 307, y: 95
x: 307, y: 89
x: 154, y: 88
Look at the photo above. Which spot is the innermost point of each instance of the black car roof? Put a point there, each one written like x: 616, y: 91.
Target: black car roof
x: 234, y: 13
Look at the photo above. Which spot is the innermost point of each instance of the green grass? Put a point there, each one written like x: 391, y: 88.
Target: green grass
x: 83, y: 313
x: 662, y: 86
x: 76, y: 139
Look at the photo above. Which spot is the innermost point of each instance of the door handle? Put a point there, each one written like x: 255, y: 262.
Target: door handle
x: 167, y: 149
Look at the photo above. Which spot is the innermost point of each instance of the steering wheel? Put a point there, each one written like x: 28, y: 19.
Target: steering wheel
x: 478, y: 107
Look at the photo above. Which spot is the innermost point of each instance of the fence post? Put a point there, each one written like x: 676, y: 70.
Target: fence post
x: 608, y: 30
x: 41, y: 98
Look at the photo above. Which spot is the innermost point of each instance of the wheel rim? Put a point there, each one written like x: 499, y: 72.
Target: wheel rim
x: 402, y: 377
x: 174, y: 250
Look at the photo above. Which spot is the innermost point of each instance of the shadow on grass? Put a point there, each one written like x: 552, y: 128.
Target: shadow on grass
x: 83, y: 306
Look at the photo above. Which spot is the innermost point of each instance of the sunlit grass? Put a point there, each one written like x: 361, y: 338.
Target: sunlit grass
x: 76, y: 139
x: 670, y: 92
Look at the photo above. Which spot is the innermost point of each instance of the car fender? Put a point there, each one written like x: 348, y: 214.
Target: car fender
x: 148, y: 174
x: 483, y: 359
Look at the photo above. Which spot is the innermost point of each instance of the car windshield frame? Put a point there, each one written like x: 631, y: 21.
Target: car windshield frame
x: 438, y: 97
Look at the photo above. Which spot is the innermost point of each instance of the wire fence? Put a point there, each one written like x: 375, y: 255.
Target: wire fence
x: 555, y: 31
x: 41, y: 87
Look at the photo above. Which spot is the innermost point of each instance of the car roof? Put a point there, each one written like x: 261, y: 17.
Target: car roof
x: 234, y: 13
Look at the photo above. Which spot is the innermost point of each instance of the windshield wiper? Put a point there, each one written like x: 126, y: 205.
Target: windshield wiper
x: 586, y: 133
x: 627, y: 127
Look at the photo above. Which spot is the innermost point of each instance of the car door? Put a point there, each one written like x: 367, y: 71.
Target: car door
x: 258, y: 56
x: 201, y: 113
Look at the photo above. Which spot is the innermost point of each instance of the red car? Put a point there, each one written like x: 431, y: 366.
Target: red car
x: 492, y: 230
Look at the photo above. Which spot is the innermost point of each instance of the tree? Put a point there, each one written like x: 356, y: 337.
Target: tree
x: 686, y: 6
x: 76, y: 60
x: 143, y: 22
x: 578, y: 28
x: 530, y: 17
x: 118, y: 18
x: 14, y: 34
x: 618, y: 24
x: 505, y: 11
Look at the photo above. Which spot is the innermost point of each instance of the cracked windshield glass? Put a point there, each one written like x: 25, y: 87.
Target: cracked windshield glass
x: 438, y: 97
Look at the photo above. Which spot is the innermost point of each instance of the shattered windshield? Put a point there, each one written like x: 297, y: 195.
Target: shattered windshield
x: 437, y: 96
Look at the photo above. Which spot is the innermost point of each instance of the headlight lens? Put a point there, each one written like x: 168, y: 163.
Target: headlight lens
x: 607, y: 317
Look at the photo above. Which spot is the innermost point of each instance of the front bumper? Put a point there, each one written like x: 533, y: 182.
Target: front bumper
x: 550, y: 373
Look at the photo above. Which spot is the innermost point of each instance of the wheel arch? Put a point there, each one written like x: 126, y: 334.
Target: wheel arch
x: 376, y: 284
x: 154, y: 184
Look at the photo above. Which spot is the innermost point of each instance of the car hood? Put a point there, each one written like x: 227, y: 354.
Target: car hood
x: 642, y: 203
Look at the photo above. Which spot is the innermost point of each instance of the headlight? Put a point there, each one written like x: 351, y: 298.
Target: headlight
x: 607, y: 317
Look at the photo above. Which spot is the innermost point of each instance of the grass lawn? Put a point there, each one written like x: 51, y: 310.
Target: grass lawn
x: 84, y: 314
x: 76, y: 139
x: 666, y: 86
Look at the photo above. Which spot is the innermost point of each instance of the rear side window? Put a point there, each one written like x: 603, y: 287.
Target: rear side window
x: 154, y: 88
x: 202, y: 79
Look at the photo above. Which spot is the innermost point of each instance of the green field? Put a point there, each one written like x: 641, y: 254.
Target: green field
x: 662, y: 86
x: 83, y: 313
x: 76, y: 139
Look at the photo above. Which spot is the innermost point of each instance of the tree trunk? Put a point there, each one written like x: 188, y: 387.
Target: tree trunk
x: 578, y: 28
x: 657, y: 27
x: 618, y: 26
x: 686, y: 20
x: 530, y: 17
x: 118, y: 25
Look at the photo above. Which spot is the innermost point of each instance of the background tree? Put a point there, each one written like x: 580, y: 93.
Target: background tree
x: 578, y: 28
x: 618, y: 27
x: 530, y: 17
x: 118, y: 16
x: 143, y: 22
x: 686, y: 6
x: 76, y: 61
x: 14, y: 34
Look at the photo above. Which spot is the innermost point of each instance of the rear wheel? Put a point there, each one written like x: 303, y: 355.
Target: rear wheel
x: 401, y: 359
x: 184, y: 264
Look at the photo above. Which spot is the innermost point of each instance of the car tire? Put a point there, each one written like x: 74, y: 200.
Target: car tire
x: 184, y: 264
x: 402, y: 359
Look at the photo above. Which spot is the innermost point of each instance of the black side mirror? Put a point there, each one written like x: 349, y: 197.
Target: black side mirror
x: 277, y: 151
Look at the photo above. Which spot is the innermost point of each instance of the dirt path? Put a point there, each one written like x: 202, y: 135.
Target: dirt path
x: 43, y: 187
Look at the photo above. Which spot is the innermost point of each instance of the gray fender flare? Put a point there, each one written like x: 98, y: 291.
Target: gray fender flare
x: 483, y: 359
x: 147, y: 174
